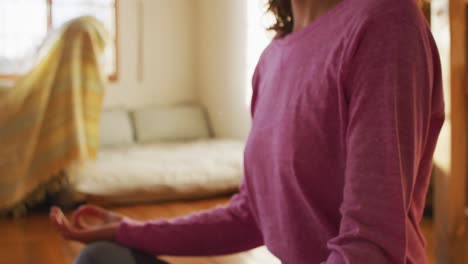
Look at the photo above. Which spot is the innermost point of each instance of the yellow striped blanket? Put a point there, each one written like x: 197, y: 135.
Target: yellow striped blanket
x: 49, y: 119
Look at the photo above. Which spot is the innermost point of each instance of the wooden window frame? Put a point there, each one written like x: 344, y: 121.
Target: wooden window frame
x: 113, y: 77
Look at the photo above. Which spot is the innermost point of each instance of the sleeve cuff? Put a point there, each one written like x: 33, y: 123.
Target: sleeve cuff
x: 123, y: 233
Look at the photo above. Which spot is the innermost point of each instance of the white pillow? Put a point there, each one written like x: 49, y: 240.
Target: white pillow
x: 116, y: 128
x: 176, y: 123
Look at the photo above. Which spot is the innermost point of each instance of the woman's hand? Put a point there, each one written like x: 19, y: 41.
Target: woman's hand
x: 89, y: 223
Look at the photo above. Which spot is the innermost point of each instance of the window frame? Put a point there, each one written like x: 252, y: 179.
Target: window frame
x: 113, y: 77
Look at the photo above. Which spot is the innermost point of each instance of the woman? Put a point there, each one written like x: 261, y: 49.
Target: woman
x: 347, y: 108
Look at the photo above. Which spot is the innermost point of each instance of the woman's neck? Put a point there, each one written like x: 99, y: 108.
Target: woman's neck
x: 306, y: 11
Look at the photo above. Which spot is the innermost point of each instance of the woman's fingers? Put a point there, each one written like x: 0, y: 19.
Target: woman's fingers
x: 59, y: 221
x: 53, y: 219
x: 77, y: 219
x: 90, y: 210
x: 103, y: 215
x: 85, y: 235
x: 68, y: 230
x: 87, y: 210
x: 53, y: 212
x: 54, y: 215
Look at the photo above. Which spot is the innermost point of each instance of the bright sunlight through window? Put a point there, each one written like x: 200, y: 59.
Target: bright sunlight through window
x: 257, y: 38
x: 25, y: 24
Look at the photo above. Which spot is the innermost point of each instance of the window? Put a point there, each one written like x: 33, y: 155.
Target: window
x: 257, y: 38
x: 24, y: 24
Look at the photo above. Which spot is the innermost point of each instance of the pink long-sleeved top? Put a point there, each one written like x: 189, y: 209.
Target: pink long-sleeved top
x: 346, y: 115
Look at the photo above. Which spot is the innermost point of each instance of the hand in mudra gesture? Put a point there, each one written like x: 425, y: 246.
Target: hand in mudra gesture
x: 89, y: 223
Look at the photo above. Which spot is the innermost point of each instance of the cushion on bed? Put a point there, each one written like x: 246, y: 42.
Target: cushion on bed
x: 116, y: 129
x: 173, y: 123
x: 160, y: 172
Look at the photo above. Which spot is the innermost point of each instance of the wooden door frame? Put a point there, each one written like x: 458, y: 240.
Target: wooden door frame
x: 450, y: 179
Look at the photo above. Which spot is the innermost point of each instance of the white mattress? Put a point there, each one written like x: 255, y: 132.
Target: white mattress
x: 162, y: 171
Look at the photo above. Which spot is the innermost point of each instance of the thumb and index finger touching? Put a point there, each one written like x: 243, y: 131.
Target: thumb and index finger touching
x: 88, y: 210
x: 77, y: 216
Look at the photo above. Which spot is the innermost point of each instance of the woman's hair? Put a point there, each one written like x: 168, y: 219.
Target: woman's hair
x: 284, y: 20
x: 282, y: 11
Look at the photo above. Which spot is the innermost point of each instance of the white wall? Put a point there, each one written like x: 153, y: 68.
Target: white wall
x: 195, y: 50
x: 169, y: 54
x: 222, y: 65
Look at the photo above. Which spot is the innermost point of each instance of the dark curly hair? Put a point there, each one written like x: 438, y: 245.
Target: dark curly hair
x: 284, y: 20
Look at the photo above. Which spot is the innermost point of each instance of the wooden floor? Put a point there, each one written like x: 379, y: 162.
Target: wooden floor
x: 32, y: 240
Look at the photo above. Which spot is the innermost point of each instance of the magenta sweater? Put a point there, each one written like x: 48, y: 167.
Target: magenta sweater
x: 346, y: 115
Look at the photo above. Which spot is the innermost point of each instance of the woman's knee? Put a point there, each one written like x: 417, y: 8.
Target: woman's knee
x: 105, y: 252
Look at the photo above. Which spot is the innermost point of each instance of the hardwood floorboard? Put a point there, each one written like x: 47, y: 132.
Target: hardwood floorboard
x: 32, y: 240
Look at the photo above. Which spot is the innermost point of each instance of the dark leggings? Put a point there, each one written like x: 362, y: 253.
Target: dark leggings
x: 106, y: 252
